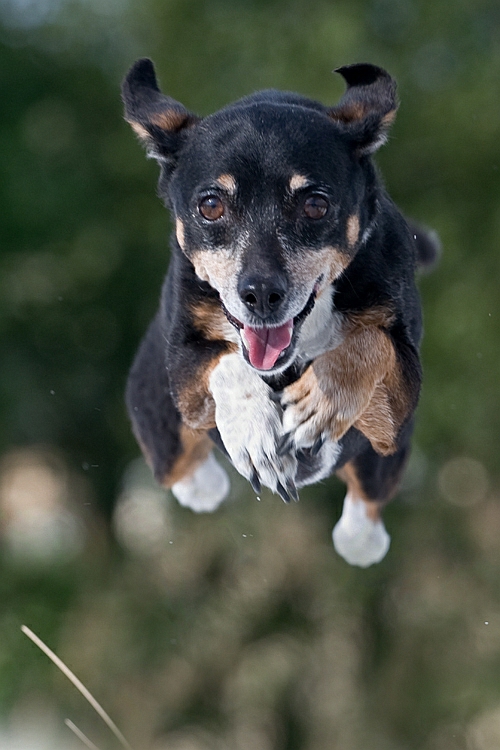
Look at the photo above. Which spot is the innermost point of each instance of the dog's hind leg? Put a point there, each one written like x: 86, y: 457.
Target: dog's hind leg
x: 181, y: 458
x: 202, y: 484
x: 372, y: 480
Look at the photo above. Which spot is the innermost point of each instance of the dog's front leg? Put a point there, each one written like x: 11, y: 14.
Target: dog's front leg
x: 249, y: 423
x: 359, y: 383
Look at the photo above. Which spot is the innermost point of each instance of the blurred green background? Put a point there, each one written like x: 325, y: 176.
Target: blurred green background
x: 242, y: 629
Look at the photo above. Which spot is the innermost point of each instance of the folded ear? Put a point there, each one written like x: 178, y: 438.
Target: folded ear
x: 159, y: 121
x: 368, y: 107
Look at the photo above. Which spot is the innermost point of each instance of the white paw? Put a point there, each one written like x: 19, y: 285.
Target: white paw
x: 205, y: 489
x: 302, y: 434
x: 358, y: 539
x: 249, y: 423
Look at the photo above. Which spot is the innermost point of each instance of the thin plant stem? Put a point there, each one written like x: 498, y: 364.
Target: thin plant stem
x: 88, y: 743
x: 79, y: 686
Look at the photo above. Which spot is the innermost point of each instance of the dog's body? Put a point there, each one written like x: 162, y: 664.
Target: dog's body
x: 289, y: 323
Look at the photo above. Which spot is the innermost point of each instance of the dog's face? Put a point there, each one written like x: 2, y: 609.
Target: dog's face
x: 270, y: 196
x: 260, y: 214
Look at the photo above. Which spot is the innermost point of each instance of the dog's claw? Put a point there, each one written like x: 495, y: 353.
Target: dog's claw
x: 255, y: 482
x: 318, y: 444
x: 282, y: 493
x: 284, y: 444
x: 292, y: 491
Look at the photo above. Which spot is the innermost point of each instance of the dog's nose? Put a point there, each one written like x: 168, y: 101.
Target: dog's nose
x: 262, y: 296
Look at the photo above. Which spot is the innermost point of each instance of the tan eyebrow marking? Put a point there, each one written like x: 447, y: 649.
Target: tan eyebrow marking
x: 228, y: 182
x: 298, y: 181
x: 352, y: 230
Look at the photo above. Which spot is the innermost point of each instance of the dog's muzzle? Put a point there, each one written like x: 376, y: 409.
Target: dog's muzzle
x: 268, y: 346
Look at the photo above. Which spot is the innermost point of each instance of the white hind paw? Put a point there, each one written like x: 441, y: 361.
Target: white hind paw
x: 357, y: 538
x: 205, y: 489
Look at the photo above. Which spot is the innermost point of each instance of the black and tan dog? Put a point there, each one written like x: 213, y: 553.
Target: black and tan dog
x: 289, y: 322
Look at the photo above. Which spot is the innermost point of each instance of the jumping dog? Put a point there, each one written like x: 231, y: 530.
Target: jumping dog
x: 289, y: 323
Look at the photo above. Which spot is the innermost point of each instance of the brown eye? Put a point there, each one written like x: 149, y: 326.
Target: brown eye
x: 315, y: 207
x: 211, y: 208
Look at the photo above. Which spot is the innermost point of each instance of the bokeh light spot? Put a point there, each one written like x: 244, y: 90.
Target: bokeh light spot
x: 463, y: 481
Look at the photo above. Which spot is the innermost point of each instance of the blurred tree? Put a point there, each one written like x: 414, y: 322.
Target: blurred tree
x: 246, y: 630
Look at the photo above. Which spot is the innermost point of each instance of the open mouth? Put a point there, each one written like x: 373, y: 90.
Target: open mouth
x: 267, y: 346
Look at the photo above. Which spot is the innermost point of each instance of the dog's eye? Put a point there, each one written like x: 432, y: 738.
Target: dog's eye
x: 211, y: 207
x: 315, y: 207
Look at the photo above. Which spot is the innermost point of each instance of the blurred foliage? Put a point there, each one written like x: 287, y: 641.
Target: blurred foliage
x: 242, y: 629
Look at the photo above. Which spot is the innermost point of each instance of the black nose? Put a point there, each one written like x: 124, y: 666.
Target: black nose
x: 263, y: 296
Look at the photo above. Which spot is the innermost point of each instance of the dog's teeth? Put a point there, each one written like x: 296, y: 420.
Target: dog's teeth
x: 244, y: 339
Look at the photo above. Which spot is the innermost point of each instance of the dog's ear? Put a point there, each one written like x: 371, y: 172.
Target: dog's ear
x: 160, y: 122
x: 368, y: 107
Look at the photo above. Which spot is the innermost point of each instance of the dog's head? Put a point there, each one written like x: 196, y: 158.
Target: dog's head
x: 271, y: 196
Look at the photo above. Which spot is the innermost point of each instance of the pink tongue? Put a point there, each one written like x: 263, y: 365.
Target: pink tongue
x: 266, y: 344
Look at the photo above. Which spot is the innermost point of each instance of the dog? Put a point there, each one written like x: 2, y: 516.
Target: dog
x: 289, y: 324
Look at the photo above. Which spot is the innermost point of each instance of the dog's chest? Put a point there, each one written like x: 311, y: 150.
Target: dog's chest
x: 322, y: 331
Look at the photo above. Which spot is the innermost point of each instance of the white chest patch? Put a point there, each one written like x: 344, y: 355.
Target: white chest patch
x: 322, y: 329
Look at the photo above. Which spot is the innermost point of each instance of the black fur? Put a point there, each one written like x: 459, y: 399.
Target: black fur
x: 261, y: 142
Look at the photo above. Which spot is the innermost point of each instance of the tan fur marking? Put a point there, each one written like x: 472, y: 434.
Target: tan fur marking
x: 227, y: 182
x: 196, y: 446
x: 359, y: 383
x: 349, y: 475
x: 298, y: 181
x: 223, y: 265
x: 306, y: 267
x: 337, y: 263
x: 357, y: 367
x: 139, y: 130
x: 352, y: 112
x: 353, y: 228
x: 170, y: 119
x: 195, y: 402
x: 337, y: 388
x: 215, y: 267
x: 391, y: 400
x: 179, y: 233
x: 379, y: 316
x: 389, y: 118
x: 209, y: 319
x: 388, y: 408
x: 377, y: 422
